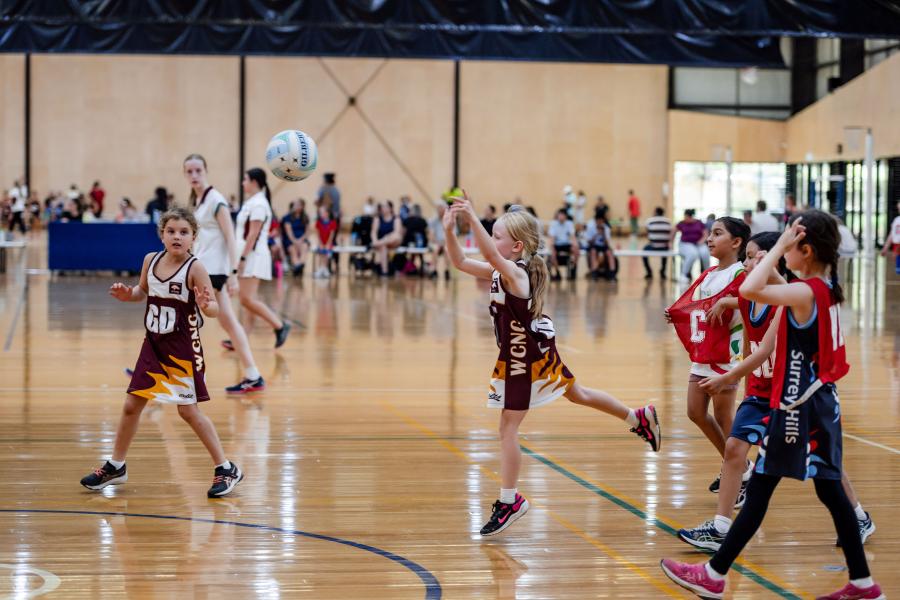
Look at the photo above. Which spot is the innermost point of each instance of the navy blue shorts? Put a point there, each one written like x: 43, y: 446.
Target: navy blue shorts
x: 751, y: 419
x: 805, y: 442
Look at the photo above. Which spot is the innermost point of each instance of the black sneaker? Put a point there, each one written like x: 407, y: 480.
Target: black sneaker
x: 714, y: 486
x: 104, y: 476
x: 505, y: 515
x: 247, y: 386
x: 225, y: 480
x: 281, y: 334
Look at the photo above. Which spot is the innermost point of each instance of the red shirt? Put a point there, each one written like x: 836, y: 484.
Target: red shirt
x: 325, y: 229
x: 757, y: 319
x: 634, y: 206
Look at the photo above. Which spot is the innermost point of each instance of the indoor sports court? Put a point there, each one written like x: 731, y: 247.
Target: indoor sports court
x: 361, y: 456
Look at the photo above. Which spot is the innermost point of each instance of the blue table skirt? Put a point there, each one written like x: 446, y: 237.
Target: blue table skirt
x: 100, y: 246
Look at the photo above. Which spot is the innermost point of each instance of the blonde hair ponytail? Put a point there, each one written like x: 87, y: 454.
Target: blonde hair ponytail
x: 537, y: 279
x: 524, y: 227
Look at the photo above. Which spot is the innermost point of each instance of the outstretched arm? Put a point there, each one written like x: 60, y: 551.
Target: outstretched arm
x: 478, y: 268
x: 507, y: 268
x: 756, y: 286
x: 136, y: 293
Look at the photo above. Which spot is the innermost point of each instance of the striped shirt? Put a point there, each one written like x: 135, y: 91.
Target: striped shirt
x: 659, y: 231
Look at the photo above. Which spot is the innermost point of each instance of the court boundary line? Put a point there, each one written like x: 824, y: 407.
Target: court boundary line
x: 596, y: 489
x: 655, y: 521
x: 19, y: 306
x: 663, y: 584
x: 433, y: 590
x: 863, y: 440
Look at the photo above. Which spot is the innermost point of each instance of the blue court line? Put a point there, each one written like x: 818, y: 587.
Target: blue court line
x: 749, y: 573
x: 432, y: 586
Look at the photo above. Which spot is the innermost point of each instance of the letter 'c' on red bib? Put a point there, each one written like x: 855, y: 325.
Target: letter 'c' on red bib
x: 706, y: 342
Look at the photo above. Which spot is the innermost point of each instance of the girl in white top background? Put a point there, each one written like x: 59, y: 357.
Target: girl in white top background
x: 252, y: 229
x: 216, y: 249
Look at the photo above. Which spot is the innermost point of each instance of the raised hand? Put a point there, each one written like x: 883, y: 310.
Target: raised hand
x: 120, y: 292
x: 463, y: 206
x: 202, y: 297
x: 793, y: 233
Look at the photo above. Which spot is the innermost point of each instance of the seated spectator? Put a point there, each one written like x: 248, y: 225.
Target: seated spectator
x: 489, y: 218
x: 369, y: 208
x: 276, y: 248
x: 564, y: 247
x: 598, y: 243
x: 415, y: 235
x: 387, y: 233
x: 158, y: 205
x: 327, y: 227
x: 294, y: 227
x: 438, y: 241
x: 659, y: 237
x: 127, y: 212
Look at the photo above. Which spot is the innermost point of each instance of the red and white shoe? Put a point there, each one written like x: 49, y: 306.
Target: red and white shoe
x: 648, y: 426
x: 693, y: 577
x: 228, y: 345
x: 851, y: 592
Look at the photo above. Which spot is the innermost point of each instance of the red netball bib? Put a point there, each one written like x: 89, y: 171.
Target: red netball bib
x: 706, y: 343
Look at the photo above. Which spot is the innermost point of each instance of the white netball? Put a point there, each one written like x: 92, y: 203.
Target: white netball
x: 292, y: 155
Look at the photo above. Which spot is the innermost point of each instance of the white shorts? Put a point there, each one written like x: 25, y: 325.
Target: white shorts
x: 258, y: 265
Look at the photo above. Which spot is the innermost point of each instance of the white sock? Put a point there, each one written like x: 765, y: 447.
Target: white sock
x: 631, y: 419
x: 508, y: 496
x: 723, y: 524
x: 865, y: 582
x: 748, y: 473
x: 860, y: 513
x: 116, y: 463
x: 252, y: 373
x: 713, y: 574
x: 225, y: 465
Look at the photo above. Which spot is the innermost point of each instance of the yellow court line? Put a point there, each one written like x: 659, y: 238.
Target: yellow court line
x: 662, y: 586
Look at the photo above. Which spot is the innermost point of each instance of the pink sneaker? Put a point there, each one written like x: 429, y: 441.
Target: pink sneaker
x: 693, y: 577
x: 851, y: 592
x: 648, y: 426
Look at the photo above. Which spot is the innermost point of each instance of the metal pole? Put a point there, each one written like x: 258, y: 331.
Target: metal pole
x: 869, y: 200
x: 728, y: 164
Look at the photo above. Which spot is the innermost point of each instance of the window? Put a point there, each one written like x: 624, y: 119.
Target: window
x: 703, y: 186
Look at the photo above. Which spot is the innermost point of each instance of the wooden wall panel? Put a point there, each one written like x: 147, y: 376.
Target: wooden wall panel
x: 129, y: 121
x: 12, y: 121
x: 406, y: 106
x: 693, y: 136
x: 529, y: 129
x: 870, y: 100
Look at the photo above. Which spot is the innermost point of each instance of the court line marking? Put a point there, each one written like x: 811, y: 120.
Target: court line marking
x: 51, y: 581
x: 870, y: 442
x: 661, y: 585
x: 433, y: 589
x: 750, y: 570
x: 15, y: 320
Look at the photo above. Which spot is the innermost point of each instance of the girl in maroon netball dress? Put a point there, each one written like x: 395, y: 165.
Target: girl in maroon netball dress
x: 529, y: 371
x: 170, y: 367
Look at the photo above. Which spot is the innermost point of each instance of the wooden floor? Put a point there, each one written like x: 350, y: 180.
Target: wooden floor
x: 371, y: 460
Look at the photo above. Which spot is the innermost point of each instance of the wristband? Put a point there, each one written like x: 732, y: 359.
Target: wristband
x: 234, y: 271
x: 243, y: 258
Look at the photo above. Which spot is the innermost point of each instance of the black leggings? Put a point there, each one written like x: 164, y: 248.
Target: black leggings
x: 759, y: 491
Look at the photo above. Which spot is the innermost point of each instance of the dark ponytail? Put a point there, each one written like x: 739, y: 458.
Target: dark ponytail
x: 824, y: 237
x: 259, y: 176
x: 737, y: 229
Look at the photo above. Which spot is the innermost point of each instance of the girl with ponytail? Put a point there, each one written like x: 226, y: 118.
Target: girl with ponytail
x: 255, y: 260
x: 802, y: 434
x: 529, y: 371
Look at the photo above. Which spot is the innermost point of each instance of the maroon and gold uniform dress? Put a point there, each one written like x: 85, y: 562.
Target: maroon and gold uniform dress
x: 529, y: 371
x: 170, y: 367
